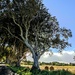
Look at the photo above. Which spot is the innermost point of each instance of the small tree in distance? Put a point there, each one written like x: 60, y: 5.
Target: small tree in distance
x: 29, y: 22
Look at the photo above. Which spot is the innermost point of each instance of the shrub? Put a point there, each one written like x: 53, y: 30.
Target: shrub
x: 27, y: 69
x: 45, y: 72
x: 51, y: 68
x: 46, y: 68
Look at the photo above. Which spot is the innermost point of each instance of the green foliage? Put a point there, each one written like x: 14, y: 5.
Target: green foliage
x: 29, y: 22
x: 26, y: 71
x: 58, y: 64
x: 31, y: 17
x: 20, y: 70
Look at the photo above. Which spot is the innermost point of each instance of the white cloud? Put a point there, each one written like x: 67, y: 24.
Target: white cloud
x: 68, y: 52
x: 46, y: 54
x: 66, y: 56
x: 58, y: 54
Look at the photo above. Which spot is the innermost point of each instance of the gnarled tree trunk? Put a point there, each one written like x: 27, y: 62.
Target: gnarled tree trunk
x: 7, y: 60
x: 36, y: 63
x: 18, y: 63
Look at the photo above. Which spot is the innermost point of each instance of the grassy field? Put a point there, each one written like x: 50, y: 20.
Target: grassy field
x: 27, y: 71
x: 69, y: 68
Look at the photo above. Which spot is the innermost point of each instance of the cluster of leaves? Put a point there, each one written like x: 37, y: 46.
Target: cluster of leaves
x: 26, y: 71
x: 31, y: 20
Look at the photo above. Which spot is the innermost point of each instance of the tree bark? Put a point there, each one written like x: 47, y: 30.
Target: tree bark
x: 7, y: 60
x: 36, y: 63
x: 35, y: 57
x: 18, y: 63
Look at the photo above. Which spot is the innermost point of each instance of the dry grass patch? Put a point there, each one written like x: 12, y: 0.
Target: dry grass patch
x: 69, y: 68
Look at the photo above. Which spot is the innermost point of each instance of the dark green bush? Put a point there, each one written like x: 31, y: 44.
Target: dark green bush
x: 45, y: 72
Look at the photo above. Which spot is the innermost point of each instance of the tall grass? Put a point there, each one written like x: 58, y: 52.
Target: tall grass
x: 26, y: 71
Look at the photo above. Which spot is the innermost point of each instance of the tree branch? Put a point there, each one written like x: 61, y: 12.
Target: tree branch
x: 36, y: 36
x: 12, y: 34
x: 19, y: 27
x: 30, y: 47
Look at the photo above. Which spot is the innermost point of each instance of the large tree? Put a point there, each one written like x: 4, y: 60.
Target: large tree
x: 29, y: 22
x: 11, y: 48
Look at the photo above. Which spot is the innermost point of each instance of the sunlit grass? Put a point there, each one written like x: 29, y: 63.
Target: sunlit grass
x: 26, y: 71
x: 68, y: 68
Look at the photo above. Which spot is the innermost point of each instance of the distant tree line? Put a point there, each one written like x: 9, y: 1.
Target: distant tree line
x: 51, y: 63
x: 58, y: 64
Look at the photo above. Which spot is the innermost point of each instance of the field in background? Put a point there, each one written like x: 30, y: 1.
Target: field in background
x: 69, y: 68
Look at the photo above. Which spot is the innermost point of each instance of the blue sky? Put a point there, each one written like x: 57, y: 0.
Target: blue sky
x: 64, y: 10
x: 65, y: 13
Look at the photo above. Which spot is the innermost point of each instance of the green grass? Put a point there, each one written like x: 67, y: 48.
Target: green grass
x: 20, y: 70
x: 26, y: 71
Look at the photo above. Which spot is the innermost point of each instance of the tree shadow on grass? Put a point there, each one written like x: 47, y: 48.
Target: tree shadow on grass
x: 45, y: 72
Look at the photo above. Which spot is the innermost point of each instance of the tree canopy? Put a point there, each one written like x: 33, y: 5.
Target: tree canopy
x: 30, y: 22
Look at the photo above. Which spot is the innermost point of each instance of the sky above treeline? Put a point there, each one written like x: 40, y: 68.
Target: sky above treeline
x: 64, y: 10
x: 65, y: 57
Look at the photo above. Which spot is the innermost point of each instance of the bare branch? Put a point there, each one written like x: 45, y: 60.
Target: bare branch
x: 30, y: 47
x: 19, y: 27
x: 26, y: 25
x: 36, y: 36
x: 26, y: 34
x: 13, y: 34
x: 43, y: 51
